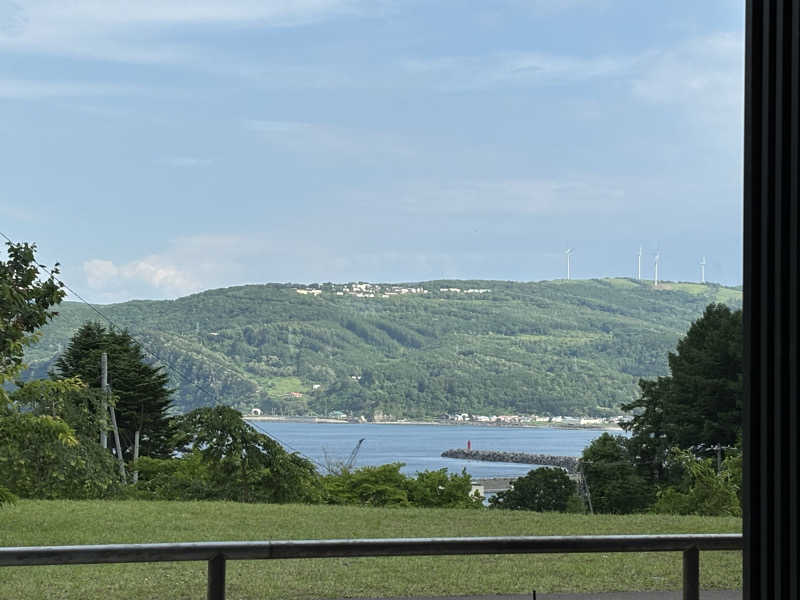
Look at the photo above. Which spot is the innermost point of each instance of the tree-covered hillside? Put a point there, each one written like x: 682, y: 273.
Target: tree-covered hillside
x: 559, y: 347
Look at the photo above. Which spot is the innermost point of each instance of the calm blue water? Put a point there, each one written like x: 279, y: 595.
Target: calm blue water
x: 420, y: 446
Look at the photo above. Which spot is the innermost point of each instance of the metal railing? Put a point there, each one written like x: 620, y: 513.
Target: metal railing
x: 217, y: 553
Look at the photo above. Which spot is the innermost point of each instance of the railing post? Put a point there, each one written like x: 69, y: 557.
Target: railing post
x: 216, y: 578
x: 691, y: 574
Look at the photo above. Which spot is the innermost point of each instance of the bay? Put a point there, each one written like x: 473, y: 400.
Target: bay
x: 420, y: 446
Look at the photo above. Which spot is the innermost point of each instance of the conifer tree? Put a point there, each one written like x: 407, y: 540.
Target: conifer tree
x: 699, y: 405
x: 141, y: 391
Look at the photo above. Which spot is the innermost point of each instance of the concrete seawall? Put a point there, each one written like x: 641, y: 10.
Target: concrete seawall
x: 569, y: 463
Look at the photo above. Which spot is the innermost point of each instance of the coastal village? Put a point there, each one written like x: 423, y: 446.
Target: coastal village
x: 338, y: 416
x: 375, y: 290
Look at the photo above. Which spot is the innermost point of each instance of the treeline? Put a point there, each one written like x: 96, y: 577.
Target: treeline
x: 684, y: 455
x: 100, y: 426
x: 574, y: 347
x: 56, y: 442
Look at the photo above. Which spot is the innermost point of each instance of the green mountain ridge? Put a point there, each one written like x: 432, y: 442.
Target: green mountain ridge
x: 555, y: 347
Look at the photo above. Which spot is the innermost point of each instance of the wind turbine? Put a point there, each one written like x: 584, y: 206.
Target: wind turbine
x: 639, y: 265
x: 568, y: 252
x: 703, y: 270
x: 655, y: 269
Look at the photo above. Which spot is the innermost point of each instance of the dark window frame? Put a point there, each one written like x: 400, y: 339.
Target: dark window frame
x: 771, y: 304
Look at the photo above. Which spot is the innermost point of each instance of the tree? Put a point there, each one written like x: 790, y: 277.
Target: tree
x: 544, y: 489
x: 140, y: 389
x: 702, y: 489
x: 383, y: 485
x: 70, y: 400
x: 40, y: 455
x: 26, y: 303
x: 442, y: 490
x: 43, y: 455
x: 231, y: 461
x: 699, y: 405
x: 614, y: 484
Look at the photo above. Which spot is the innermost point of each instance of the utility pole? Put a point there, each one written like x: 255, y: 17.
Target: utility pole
x: 117, y: 442
x: 135, y: 454
x: 104, y: 401
x: 106, y: 408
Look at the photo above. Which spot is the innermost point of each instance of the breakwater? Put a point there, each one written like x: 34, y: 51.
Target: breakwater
x: 568, y: 463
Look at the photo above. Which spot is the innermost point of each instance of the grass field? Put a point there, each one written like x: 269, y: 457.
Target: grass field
x: 96, y: 522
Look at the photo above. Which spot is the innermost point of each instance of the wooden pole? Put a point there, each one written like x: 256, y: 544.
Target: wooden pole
x: 135, y: 455
x: 116, y: 442
x: 104, y: 401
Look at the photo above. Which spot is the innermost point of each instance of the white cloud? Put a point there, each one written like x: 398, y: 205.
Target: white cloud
x: 126, y: 13
x: 703, y: 75
x: 190, y: 264
x: 153, y: 271
x: 122, y: 30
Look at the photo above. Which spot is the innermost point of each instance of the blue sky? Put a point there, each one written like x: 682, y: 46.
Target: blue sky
x: 159, y: 148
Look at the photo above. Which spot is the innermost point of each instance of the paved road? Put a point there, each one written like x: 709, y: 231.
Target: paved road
x: 716, y: 595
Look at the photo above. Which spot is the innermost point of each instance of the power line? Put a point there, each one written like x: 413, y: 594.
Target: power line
x: 108, y: 319
x: 282, y: 443
x: 211, y: 394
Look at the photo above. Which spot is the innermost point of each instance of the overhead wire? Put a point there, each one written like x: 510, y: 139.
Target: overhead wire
x: 108, y: 319
x: 197, y: 385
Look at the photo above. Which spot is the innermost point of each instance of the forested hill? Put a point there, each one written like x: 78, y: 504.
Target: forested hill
x: 559, y: 347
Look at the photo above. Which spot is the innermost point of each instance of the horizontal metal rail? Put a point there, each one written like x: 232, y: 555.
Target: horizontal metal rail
x: 217, y: 553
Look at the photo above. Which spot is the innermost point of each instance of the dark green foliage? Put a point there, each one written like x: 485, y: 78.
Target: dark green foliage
x: 41, y: 454
x: 574, y: 347
x: 385, y: 485
x: 226, y: 459
x: 141, y: 390
x: 6, y: 497
x: 543, y: 489
x: 699, y: 405
x: 614, y: 484
x: 26, y: 304
x: 68, y: 399
x: 702, y: 490
x: 40, y: 457
x: 438, y: 489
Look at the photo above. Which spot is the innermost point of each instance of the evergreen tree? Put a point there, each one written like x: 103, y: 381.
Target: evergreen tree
x: 543, y: 489
x: 140, y: 389
x: 611, y: 474
x: 699, y: 405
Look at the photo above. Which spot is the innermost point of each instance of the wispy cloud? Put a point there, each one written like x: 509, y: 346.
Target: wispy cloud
x: 189, y: 264
x: 520, y: 68
x: 187, y: 162
x: 29, y: 89
x: 127, y: 31
x: 327, y: 140
x: 704, y: 75
x: 512, y: 197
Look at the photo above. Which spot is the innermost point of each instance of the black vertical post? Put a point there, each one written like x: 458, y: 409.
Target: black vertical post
x: 691, y: 574
x: 216, y: 578
x: 771, y: 302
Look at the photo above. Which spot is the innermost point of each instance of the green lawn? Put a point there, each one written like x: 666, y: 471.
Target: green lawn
x: 97, y: 522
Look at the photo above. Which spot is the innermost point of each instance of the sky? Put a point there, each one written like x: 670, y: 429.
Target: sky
x: 159, y: 148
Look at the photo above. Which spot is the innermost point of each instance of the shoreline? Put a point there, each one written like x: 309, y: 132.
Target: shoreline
x: 321, y: 420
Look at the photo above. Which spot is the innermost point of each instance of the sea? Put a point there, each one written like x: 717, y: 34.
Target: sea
x: 419, y: 447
